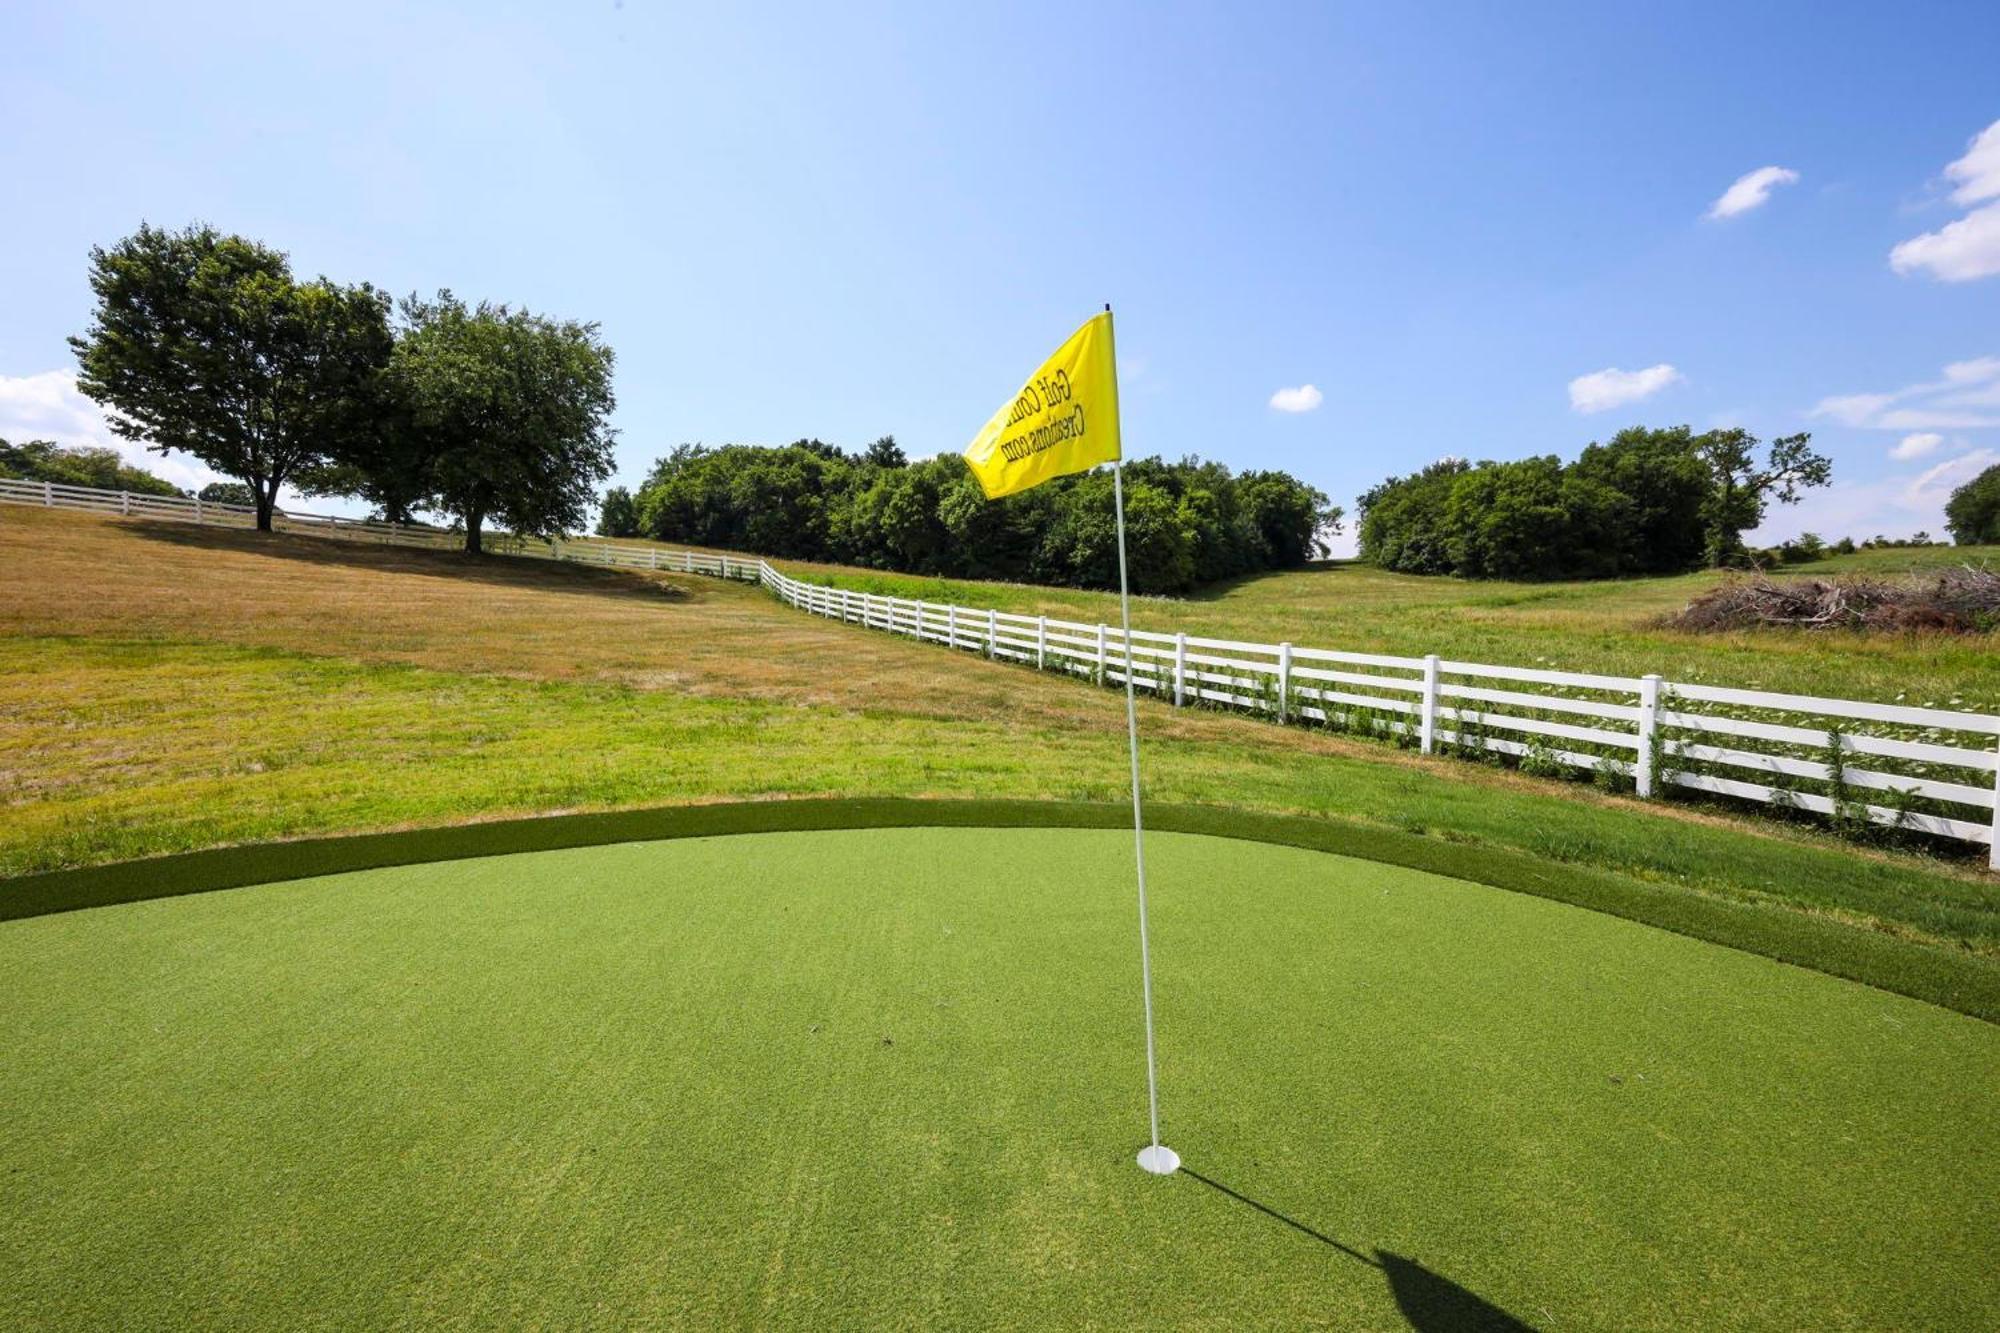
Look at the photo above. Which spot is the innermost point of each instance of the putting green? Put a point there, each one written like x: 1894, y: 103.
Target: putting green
x: 893, y: 1078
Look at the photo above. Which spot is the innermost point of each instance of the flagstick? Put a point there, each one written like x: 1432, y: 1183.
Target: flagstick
x: 1159, y: 1159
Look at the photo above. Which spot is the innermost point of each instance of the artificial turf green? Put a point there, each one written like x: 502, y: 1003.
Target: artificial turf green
x: 891, y: 1078
x: 1966, y: 982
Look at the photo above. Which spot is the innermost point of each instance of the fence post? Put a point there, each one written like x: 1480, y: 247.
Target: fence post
x: 1428, y: 728
x: 951, y: 624
x: 197, y: 509
x: 920, y: 620
x: 48, y: 495
x: 125, y: 502
x: 1284, y: 681
x: 1644, y: 779
x: 1102, y: 674
x: 1993, y: 848
x: 1041, y: 643
x: 654, y: 557
x: 992, y: 633
x: 1180, y: 669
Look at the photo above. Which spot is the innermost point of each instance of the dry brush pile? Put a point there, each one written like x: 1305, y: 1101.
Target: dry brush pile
x: 1965, y: 600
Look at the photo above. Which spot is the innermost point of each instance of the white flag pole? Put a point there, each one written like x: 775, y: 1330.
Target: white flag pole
x: 1156, y: 1157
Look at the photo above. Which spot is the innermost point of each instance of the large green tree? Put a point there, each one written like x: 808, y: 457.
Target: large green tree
x: 1740, y: 487
x: 204, y: 343
x: 513, y: 410
x: 1973, y: 512
x: 1665, y: 487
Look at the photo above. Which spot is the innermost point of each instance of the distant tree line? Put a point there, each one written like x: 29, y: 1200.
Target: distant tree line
x: 45, y: 460
x: 206, y: 344
x: 1644, y: 502
x: 105, y: 469
x: 1187, y: 523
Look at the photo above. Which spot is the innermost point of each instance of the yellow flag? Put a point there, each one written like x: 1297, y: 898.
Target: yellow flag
x: 1064, y: 419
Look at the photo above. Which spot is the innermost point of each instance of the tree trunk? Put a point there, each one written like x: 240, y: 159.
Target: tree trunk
x: 472, y: 522
x: 267, y: 501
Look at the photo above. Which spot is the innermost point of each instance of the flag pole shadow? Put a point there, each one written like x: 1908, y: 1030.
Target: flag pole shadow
x: 1430, y: 1302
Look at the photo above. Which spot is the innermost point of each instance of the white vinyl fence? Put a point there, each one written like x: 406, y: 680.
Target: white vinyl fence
x: 1929, y: 769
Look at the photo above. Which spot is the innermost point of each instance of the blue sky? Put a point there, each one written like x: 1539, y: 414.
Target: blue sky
x: 852, y: 220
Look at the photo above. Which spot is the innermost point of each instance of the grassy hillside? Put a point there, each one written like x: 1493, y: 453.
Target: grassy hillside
x: 1588, y: 626
x: 164, y: 688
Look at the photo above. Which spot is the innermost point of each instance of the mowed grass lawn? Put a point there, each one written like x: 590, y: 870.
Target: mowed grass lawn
x: 165, y: 688
x: 1603, y: 626
x: 893, y: 1079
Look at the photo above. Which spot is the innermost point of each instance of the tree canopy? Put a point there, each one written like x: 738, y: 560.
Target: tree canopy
x: 1740, y: 489
x: 227, y: 493
x: 1643, y: 502
x: 1973, y: 512
x: 512, y: 411
x: 1187, y: 523
x: 618, y: 516
x: 206, y: 344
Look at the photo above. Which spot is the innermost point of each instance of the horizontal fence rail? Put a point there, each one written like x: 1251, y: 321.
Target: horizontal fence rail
x: 1933, y: 770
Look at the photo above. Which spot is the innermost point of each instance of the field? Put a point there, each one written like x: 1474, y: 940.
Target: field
x: 1598, y: 626
x: 892, y: 1078
x: 165, y: 688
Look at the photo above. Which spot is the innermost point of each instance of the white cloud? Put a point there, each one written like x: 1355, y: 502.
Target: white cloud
x: 1751, y: 190
x: 1978, y: 172
x: 1895, y: 506
x: 1967, y: 397
x: 1970, y: 247
x: 1844, y: 509
x: 1919, y: 418
x: 1853, y: 409
x: 1932, y: 488
x: 1916, y: 446
x: 1956, y: 252
x: 1604, y: 389
x: 48, y: 406
x: 1302, y: 399
x: 1976, y: 371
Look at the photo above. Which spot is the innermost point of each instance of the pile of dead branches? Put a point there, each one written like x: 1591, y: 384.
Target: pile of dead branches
x: 1962, y: 601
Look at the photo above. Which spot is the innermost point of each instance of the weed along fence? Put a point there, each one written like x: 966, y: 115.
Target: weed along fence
x: 1925, y: 769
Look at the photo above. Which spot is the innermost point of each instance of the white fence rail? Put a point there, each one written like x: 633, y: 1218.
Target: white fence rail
x: 1928, y: 769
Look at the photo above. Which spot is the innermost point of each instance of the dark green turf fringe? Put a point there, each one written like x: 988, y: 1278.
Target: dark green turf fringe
x: 1959, y: 981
